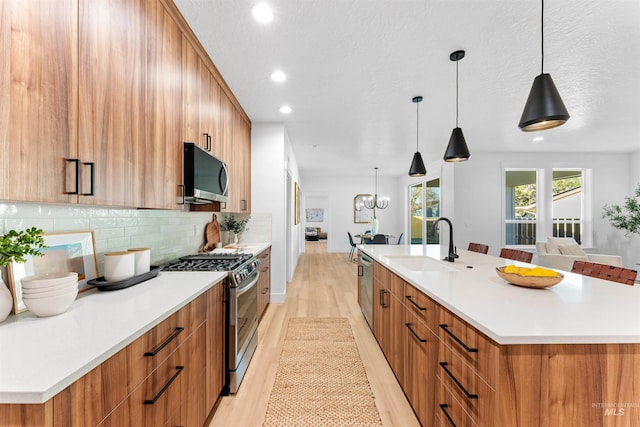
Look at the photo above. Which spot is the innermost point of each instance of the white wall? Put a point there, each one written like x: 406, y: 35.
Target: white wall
x: 271, y: 161
x: 341, y: 190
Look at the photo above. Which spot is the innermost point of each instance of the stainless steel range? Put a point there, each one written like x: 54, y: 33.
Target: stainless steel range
x: 242, y: 306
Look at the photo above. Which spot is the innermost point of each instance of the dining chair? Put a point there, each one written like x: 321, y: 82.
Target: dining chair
x: 478, y: 247
x: 516, y: 255
x: 353, y: 246
x: 400, y: 238
x: 379, y: 239
x: 606, y: 272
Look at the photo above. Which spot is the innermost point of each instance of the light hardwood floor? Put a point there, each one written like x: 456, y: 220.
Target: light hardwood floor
x: 324, y: 285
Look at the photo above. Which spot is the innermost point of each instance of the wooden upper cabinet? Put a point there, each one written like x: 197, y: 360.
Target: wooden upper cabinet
x: 237, y: 152
x: 163, y: 98
x: 38, y: 110
x: 191, y: 94
x: 112, y: 73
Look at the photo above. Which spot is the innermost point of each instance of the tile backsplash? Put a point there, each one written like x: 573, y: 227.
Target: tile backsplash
x: 168, y: 233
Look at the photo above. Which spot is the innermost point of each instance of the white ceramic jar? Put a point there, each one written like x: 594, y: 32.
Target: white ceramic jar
x: 143, y: 260
x: 119, y: 265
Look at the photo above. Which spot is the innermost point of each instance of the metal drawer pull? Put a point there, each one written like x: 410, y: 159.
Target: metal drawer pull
x: 166, y: 342
x: 166, y: 386
x: 360, y: 271
x: 77, y: 162
x: 443, y: 407
x: 382, y: 291
x: 92, y: 168
x: 415, y: 303
x: 458, y: 340
x: 408, y: 325
x: 455, y: 380
x: 265, y: 291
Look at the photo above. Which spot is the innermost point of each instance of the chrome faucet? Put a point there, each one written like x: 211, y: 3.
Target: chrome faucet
x: 452, y: 249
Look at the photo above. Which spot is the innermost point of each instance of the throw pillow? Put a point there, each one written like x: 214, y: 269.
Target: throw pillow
x: 554, y: 243
x: 572, y: 250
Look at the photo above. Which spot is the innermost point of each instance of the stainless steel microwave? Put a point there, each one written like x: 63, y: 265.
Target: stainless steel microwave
x: 205, y: 176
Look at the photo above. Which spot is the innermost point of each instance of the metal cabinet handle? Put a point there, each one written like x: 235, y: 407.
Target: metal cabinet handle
x: 166, y: 342
x: 458, y: 340
x: 265, y: 291
x: 206, y: 141
x: 415, y: 303
x: 360, y: 271
x: 166, y: 386
x: 443, y: 407
x: 382, y: 292
x: 264, y: 270
x: 92, y: 167
x: 455, y: 380
x: 244, y: 205
x: 409, y: 325
x: 77, y: 162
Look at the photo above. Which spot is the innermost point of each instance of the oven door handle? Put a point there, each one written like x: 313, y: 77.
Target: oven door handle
x: 245, y: 288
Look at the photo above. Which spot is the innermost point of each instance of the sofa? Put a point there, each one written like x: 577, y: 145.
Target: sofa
x: 314, y: 233
x: 560, y: 253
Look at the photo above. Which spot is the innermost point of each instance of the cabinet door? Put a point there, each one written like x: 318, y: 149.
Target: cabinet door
x: 112, y: 72
x: 210, y: 111
x: 396, y: 329
x: 163, y: 151
x: 191, y: 93
x: 38, y: 85
x: 215, y: 343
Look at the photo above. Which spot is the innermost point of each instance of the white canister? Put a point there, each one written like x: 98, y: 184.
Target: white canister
x: 119, y: 265
x: 143, y: 259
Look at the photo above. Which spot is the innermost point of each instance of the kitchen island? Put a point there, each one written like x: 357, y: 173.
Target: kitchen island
x: 503, y: 355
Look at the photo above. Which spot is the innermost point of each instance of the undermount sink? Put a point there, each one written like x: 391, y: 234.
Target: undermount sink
x: 420, y: 263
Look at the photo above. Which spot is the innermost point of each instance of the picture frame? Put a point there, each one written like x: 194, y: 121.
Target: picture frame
x: 296, y: 204
x: 315, y: 215
x: 72, y: 251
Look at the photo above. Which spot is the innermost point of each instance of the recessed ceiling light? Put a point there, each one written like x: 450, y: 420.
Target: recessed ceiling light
x: 278, y: 76
x: 262, y: 13
x: 285, y: 109
x: 538, y: 139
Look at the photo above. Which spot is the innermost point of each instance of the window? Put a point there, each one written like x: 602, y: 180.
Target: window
x: 544, y: 202
x: 424, y: 208
x: 521, y: 206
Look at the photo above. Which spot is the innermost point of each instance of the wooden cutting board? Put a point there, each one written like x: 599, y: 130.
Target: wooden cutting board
x: 212, y: 234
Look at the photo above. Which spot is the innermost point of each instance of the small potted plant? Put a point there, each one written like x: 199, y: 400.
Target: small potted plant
x: 14, y: 246
x: 626, y: 217
x: 236, y: 226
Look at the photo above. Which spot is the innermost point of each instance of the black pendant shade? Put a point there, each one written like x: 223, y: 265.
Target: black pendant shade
x: 457, y: 150
x: 417, y: 166
x: 544, y: 108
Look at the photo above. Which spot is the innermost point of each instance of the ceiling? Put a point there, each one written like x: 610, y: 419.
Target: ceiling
x: 353, y: 67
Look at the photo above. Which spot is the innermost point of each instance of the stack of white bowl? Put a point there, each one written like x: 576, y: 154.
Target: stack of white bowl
x: 49, y: 294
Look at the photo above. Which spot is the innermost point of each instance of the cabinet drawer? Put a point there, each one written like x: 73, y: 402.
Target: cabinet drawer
x: 422, y: 306
x: 461, y: 409
x: 265, y: 257
x: 160, y: 396
x: 472, y: 347
x: 88, y: 400
x: 420, y: 356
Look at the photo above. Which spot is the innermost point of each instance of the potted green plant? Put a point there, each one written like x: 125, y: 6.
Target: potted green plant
x: 14, y: 246
x: 236, y: 226
x: 627, y: 216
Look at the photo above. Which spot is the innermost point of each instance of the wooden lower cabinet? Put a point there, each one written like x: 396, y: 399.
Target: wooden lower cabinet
x: 458, y: 376
x: 178, y: 364
x: 264, y: 282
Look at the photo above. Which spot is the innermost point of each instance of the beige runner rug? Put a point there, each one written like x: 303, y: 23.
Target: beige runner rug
x: 320, y: 379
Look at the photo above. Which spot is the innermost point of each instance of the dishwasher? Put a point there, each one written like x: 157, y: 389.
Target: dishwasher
x: 366, y: 287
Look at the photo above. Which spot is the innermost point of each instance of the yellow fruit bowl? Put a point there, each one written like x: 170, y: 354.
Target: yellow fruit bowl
x: 537, y: 282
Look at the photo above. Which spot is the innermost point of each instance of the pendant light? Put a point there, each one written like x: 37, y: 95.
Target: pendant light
x: 544, y: 108
x: 457, y: 150
x: 417, y: 165
x: 376, y: 202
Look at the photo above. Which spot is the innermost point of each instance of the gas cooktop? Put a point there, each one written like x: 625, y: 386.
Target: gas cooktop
x: 208, y: 262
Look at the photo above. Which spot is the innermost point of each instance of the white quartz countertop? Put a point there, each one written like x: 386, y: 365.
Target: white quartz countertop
x: 39, y: 357
x: 580, y: 309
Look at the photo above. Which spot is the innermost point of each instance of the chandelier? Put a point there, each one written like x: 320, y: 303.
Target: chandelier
x: 376, y: 202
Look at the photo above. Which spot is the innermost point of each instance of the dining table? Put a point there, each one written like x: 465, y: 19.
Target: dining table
x: 369, y: 236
